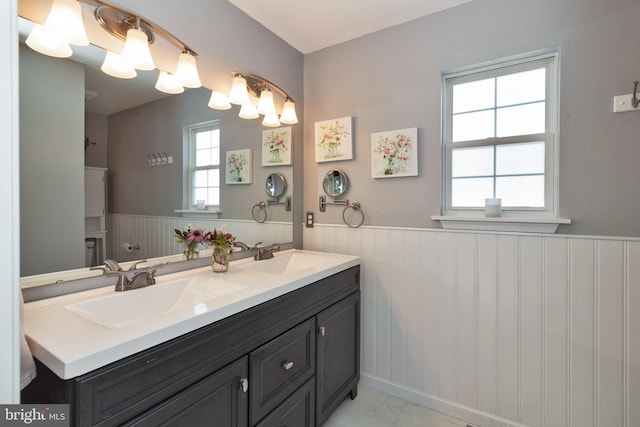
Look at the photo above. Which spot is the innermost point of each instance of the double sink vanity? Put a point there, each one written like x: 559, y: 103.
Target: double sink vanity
x: 271, y: 342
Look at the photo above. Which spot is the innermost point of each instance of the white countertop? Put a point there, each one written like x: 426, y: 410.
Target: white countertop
x: 70, y: 344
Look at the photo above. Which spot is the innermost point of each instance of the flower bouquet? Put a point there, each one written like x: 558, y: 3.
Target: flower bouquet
x: 222, y: 244
x: 190, y: 239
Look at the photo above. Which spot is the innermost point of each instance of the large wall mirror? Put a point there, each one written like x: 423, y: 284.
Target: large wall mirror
x: 72, y: 117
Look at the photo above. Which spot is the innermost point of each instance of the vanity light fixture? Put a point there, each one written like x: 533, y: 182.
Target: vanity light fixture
x: 64, y: 26
x: 245, y: 88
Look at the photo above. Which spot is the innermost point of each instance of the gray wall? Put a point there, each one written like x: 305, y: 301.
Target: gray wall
x: 157, y: 127
x: 51, y: 164
x: 392, y: 79
x: 95, y: 128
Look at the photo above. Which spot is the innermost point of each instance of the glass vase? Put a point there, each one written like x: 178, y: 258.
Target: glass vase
x: 190, y: 253
x: 220, y: 260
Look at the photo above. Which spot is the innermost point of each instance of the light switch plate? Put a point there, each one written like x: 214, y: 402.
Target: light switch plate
x: 622, y: 103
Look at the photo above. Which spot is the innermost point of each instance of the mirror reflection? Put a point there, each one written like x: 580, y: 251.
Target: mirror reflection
x: 99, y: 183
x: 335, y: 183
x: 275, y: 185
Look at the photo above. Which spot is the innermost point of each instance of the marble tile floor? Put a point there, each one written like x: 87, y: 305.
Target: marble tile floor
x: 374, y: 408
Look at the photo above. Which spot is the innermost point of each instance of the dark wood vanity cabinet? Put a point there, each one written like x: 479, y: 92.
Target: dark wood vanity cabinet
x: 289, y: 361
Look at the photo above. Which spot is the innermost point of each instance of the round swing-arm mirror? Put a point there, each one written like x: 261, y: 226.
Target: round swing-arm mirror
x: 275, y: 185
x: 335, y: 183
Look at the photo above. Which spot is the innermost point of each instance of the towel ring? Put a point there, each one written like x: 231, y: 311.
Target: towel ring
x: 355, y: 206
x: 259, y: 212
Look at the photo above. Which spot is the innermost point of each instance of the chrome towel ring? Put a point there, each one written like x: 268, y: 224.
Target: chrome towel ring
x: 259, y: 212
x: 355, y: 207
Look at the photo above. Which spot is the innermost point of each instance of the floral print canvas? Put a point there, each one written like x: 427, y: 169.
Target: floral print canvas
x: 394, y: 153
x: 334, y: 140
x: 276, y: 147
x: 238, y: 166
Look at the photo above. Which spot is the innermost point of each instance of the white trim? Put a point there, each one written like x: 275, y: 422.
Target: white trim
x: 515, y: 224
x: 452, y: 409
x: 190, y: 213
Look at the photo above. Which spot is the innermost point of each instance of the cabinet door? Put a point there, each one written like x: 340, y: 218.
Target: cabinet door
x: 220, y: 400
x: 297, y: 411
x: 94, y: 194
x: 338, y: 355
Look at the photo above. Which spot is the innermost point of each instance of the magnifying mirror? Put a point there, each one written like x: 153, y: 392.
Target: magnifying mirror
x: 335, y: 183
x: 275, y: 185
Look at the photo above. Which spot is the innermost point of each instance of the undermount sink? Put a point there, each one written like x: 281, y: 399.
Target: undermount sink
x: 124, y: 308
x: 286, y: 264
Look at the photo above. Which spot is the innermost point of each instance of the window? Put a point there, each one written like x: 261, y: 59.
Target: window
x: 204, y: 164
x: 499, y: 138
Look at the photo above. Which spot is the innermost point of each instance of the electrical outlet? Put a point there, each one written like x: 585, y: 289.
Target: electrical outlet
x: 309, y: 221
x: 622, y: 103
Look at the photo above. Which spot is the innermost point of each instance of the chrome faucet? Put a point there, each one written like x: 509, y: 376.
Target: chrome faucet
x: 243, y: 246
x: 266, y: 252
x: 141, y: 279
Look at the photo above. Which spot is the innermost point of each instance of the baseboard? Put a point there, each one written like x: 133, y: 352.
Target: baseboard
x: 470, y: 415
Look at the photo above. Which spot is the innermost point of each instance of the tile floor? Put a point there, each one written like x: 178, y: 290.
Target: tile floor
x: 373, y: 408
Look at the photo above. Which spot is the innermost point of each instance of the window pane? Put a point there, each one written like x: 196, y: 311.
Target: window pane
x: 469, y: 126
x: 474, y: 96
x: 522, y: 158
x: 213, y: 196
x: 203, y: 140
x: 203, y: 157
x: 199, y: 194
x: 521, y: 191
x: 519, y: 88
x: 521, y: 120
x: 215, y: 156
x: 472, y: 161
x: 214, y: 177
x: 200, y: 178
x: 470, y: 192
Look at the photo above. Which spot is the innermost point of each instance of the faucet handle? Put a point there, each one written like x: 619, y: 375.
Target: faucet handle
x: 99, y: 267
x: 256, y: 245
x: 135, y: 264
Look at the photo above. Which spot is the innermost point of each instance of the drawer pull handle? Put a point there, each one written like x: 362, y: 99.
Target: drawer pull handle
x: 244, y: 385
x: 287, y: 365
x: 322, y: 330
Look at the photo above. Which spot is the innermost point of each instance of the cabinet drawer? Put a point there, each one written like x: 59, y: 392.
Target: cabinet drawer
x: 297, y: 411
x: 280, y: 367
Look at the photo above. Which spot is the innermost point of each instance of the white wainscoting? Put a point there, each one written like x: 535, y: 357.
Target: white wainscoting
x: 156, y: 237
x: 499, y: 328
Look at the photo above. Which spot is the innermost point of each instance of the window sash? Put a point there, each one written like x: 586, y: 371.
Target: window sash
x: 549, y: 63
x: 191, y: 170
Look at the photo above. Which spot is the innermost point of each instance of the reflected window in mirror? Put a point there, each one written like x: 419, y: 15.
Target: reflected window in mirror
x: 204, y: 165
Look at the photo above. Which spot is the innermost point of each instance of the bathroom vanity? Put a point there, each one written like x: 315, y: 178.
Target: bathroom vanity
x: 282, y: 348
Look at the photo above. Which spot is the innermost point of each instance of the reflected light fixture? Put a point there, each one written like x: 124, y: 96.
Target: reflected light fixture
x: 247, y: 86
x: 136, y: 49
x: 169, y: 83
x: 219, y: 101
x: 62, y: 27
x: 115, y: 66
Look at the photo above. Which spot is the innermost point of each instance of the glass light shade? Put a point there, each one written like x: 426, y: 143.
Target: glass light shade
x: 48, y: 44
x: 248, y: 111
x: 115, y: 66
x: 136, y: 50
x: 187, y: 72
x: 266, y: 105
x: 219, y: 101
x: 169, y: 83
x: 65, y: 20
x: 271, y: 120
x: 239, y: 94
x: 288, y: 116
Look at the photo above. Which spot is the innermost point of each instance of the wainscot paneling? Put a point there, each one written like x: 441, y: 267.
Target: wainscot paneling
x: 155, y: 235
x: 499, y: 329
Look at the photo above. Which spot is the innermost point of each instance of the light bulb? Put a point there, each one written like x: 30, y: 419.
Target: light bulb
x: 266, y: 105
x: 239, y: 94
x: 288, y: 116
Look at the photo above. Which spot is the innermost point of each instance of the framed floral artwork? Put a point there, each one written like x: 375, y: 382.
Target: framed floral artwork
x: 238, y: 169
x: 394, y: 153
x: 276, y: 147
x: 334, y: 140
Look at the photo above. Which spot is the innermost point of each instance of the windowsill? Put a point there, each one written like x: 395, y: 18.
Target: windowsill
x: 198, y: 213
x: 480, y: 223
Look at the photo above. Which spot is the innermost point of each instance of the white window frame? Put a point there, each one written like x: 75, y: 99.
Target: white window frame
x: 190, y: 168
x: 473, y: 218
